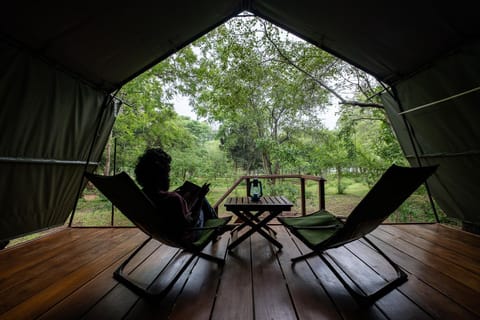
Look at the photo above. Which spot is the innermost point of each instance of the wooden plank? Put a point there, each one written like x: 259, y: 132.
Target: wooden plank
x: 314, y: 292
x: 184, y: 291
x: 159, y: 308
x: 266, y: 203
x: 308, y: 295
x: 121, y: 299
x: 344, y: 302
x: 394, y: 305
x: 44, y: 242
x: 436, y: 260
x: 79, y: 302
x: 270, y: 293
x: 23, y: 284
x: 45, y: 298
x: 426, y: 297
x: 235, y: 293
x: 433, y: 302
x: 451, y: 241
x: 450, y: 287
x: 198, y: 295
x: 445, y: 231
x: 29, y: 255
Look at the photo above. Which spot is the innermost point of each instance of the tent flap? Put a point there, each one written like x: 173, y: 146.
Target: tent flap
x: 48, y: 121
x: 443, y: 103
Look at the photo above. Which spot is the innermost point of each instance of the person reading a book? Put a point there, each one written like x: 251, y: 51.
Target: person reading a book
x: 184, y: 208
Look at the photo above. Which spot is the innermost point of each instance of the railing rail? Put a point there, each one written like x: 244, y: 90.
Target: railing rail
x: 302, y: 178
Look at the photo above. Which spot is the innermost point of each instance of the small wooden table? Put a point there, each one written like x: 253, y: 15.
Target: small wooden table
x: 250, y: 213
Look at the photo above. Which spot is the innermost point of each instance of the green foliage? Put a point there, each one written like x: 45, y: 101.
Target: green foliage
x: 287, y: 189
x: 244, y: 83
x: 217, y: 163
x: 94, y: 209
x: 260, y: 88
x: 238, y: 140
x: 372, y: 144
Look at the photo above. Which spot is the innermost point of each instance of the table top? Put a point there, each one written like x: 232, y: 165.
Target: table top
x: 265, y: 203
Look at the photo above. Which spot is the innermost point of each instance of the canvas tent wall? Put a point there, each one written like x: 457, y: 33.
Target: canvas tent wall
x: 48, y: 119
x: 441, y: 104
x: 60, y: 61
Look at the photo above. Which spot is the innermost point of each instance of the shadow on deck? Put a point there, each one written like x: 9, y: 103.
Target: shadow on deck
x: 68, y: 275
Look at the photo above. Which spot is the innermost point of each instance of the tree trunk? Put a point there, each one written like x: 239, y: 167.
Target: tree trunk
x: 267, y: 164
x: 108, y: 156
x: 339, y: 180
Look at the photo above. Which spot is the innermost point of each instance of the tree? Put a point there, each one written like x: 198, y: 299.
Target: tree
x: 263, y: 89
x: 147, y: 118
x: 242, y: 84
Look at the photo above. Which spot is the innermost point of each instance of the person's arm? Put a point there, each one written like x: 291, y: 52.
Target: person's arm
x: 175, y: 209
x: 197, y: 199
x: 193, y: 193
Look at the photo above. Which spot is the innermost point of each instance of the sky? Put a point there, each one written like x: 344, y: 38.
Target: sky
x: 183, y: 108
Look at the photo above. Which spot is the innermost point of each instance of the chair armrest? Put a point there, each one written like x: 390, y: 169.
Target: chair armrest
x: 212, y: 224
x: 330, y: 226
x: 206, y: 228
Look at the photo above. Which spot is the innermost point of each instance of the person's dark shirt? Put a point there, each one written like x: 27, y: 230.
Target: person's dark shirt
x: 177, y: 217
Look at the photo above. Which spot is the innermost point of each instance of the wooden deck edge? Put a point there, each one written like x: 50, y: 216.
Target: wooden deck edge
x: 459, y: 230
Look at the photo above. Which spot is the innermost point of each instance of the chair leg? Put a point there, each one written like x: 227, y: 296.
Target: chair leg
x: 364, y: 299
x: 144, y: 290
x: 124, y: 264
x: 361, y: 298
x: 208, y: 257
x: 141, y: 289
x: 305, y: 256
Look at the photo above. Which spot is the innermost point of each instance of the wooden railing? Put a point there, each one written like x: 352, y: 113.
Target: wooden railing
x: 302, y: 178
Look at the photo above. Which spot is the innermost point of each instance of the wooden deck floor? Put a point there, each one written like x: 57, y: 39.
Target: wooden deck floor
x: 68, y: 275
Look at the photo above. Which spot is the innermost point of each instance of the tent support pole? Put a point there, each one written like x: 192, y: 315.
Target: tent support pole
x: 107, y: 100
x: 112, y: 222
x: 412, y: 137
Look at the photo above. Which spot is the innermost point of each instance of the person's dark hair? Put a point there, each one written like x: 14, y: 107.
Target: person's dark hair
x: 153, y: 169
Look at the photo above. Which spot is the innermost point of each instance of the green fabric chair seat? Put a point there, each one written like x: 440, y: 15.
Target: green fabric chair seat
x: 210, y: 227
x: 313, y: 228
x: 313, y: 238
x: 318, y: 218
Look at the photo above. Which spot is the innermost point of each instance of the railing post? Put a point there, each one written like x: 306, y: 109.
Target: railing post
x: 226, y: 194
x: 302, y: 193
x: 321, y: 193
x: 247, y: 181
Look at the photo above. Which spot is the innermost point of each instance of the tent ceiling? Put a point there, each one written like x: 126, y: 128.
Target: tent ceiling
x: 109, y: 42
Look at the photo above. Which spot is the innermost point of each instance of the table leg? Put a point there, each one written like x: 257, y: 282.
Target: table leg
x: 246, y: 216
x: 252, y: 217
x: 255, y: 227
x: 265, y: 226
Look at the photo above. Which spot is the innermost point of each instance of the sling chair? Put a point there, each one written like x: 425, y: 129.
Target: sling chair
x: 124, y: 194
x: 321, y: 231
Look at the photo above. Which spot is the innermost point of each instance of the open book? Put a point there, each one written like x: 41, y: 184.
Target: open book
x: 192, y: 193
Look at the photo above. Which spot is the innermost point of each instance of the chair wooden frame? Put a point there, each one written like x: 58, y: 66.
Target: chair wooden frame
x: 322, y: 231
x: 124, y: 194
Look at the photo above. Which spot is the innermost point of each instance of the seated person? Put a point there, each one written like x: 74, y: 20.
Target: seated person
x: 4, y: 243
x: 153, y: 174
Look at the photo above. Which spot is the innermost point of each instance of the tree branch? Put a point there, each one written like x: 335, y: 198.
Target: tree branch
x: 318, y: 81
x: 367, y: 118
x: 361, y: 104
